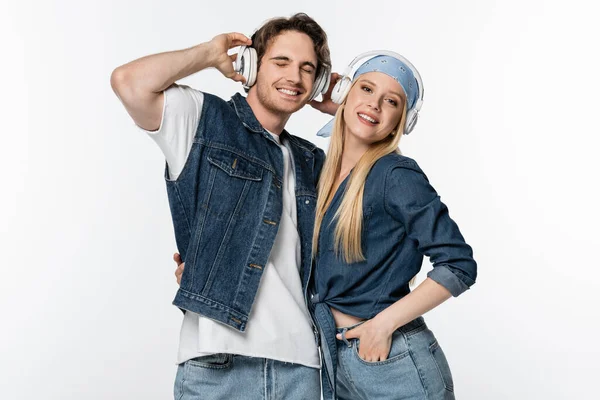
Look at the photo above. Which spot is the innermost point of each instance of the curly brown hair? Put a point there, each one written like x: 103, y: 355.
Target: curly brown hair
x: 300, y: 22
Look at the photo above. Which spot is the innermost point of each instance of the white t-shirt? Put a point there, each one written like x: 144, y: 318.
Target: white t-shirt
x: 279, y: 327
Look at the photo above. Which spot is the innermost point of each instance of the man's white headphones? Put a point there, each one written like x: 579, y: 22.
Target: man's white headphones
x: 246, y: 64
x: 342, y: 87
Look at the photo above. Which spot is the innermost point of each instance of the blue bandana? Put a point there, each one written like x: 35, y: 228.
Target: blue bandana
x: 396, y: 69
x: 390, y: 66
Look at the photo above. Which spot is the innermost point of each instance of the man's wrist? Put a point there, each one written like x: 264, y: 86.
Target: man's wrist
x: 204, y: 54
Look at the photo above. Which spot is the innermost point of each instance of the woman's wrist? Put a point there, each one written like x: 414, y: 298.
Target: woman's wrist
x: 386, y: 322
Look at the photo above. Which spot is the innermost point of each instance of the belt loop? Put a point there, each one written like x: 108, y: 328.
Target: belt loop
x: 314, y: 298
x: 344, y: 330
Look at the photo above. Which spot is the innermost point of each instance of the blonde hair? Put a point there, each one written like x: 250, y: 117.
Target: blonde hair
x: 349, y: 215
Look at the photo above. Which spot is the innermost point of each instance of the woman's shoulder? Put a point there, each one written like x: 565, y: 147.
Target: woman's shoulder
x: 395, y: 161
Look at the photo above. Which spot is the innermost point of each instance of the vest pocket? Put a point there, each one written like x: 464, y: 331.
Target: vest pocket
x: 233, y: 183
x: 234, y: 165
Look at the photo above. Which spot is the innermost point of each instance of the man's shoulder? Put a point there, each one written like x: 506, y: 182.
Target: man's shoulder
x: 305, y: 144
x: 217, y: 101
x: 218, y: 110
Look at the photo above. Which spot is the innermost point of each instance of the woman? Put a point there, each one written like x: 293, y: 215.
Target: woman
x: 377, y: 215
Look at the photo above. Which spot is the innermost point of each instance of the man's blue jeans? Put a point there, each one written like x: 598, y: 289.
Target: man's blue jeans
x: 232, y: 377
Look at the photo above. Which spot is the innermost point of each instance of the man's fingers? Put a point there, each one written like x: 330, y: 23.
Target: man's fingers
x: 177, y: 258
x: 316, y: 105
x: 179, y: 273
x: 237, y: 43
x: 238, y: 78
x: 239, y: 39
x: 335, y: 77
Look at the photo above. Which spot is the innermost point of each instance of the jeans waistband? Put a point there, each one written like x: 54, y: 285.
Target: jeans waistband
x: 412, y: 325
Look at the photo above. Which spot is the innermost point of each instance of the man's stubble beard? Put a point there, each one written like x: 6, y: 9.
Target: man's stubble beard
x: 274, y: 105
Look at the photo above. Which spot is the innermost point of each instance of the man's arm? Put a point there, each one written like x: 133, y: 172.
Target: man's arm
x: 140, y: 83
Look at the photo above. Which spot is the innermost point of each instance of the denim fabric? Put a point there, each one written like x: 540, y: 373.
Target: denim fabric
x: 403, y: 220
x: 233, y: 377
x: 415, y: 369
x: 226, y: 206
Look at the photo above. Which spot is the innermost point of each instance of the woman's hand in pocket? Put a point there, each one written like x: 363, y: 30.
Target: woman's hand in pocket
x: 375, y: 340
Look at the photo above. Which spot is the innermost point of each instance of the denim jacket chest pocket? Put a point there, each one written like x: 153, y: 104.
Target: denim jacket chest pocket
x: 233, y: 182
x: 235, y: 165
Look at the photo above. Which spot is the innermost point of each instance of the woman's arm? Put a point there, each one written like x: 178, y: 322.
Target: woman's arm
x: 376, y: 334
x: 410, y: 199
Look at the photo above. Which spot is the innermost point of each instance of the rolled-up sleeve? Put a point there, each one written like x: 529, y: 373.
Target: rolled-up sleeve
x: 410, y: 199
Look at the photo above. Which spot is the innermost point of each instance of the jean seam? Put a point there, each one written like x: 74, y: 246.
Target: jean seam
x: 419, y: 372
x: 265, y: 393
x: 346, y: 372
x: 416, y: 330
x: 184, y: 373
x: 433, y: 346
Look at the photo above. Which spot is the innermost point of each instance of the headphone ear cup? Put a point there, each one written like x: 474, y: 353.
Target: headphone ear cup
x: 411, y: 121
x: 246, y: 65
x: 253, y: 66
x: 340, y: 90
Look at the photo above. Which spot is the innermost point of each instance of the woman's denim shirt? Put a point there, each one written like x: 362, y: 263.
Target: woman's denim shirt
x: 403, y: 219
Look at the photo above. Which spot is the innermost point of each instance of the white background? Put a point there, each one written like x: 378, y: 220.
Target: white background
x: 508, y: 136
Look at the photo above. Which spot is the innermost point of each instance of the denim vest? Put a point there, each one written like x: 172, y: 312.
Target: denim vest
x: 226, y: 206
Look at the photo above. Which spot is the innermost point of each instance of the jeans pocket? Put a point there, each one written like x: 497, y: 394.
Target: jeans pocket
x: 442, y: 365
x: 213, y: 361
x: 398, y: 350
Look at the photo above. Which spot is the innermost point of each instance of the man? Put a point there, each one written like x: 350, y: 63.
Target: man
x: 242, y: 196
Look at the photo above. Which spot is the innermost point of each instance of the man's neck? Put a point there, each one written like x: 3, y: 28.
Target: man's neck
x: 273, y: 122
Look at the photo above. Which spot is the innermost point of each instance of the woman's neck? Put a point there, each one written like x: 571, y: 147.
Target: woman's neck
x: 351, y: 154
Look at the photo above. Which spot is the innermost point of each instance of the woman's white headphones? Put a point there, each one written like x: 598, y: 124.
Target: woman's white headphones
x: 246, y: 64
x: 342, y: 87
